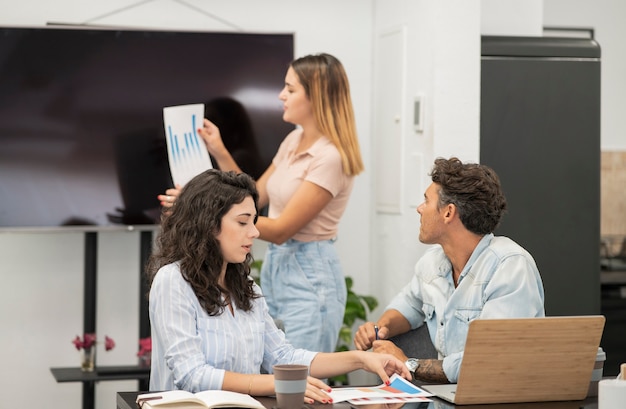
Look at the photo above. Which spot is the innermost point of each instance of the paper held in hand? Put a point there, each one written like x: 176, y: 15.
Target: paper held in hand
x: 186, y: 150
x: 205, y: 399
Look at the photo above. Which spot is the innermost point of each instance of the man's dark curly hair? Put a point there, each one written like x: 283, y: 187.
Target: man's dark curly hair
x: 188, y: 236
x: 475, y: 191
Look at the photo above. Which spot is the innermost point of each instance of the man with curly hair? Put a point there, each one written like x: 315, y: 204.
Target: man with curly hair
x: 469, y: 274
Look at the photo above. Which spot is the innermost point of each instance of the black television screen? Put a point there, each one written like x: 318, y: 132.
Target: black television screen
x: 81, y: 115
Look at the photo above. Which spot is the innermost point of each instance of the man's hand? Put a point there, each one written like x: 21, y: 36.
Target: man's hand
x: 388, y: 347
x: 366, y: 335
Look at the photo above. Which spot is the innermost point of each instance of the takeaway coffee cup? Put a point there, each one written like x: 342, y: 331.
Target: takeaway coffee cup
x: 612, y: 394
x: 290, y: 384
x: 597, y: 373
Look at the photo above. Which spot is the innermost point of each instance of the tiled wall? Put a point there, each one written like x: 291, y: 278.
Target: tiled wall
x: 613, y: 193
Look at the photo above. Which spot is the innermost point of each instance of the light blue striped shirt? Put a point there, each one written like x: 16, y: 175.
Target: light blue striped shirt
x: 500, y: 280
x: 192, y: 350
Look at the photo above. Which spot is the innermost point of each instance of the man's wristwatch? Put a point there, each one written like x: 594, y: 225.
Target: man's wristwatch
x: 412, y: 364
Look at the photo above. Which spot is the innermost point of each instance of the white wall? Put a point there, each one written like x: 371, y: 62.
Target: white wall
x: 511, y: 17
x: 41, y: 304
x: 442, y: 64
x: 607, y: 18
x: 41, y: 293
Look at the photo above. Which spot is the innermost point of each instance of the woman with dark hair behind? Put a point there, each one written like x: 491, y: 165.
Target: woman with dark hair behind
x: 211, y: 328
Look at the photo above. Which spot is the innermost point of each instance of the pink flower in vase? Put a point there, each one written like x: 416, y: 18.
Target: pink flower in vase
x: 145, y: 351
x: 78, y: 343
x: 90, y: 340
x: 109, y: 344
x: 88, y: 346
x: 145, y: 346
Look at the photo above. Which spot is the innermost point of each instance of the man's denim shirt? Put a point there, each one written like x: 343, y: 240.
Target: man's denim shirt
x: 500, y: 280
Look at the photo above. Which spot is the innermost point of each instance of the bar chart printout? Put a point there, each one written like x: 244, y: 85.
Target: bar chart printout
x: 399, y: 390
x: 186, y: 150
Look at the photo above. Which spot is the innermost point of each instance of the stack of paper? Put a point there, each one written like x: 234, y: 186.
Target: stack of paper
x: 398, y: 391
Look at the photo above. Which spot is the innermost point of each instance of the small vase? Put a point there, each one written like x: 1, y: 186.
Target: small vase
x: 88, y: 359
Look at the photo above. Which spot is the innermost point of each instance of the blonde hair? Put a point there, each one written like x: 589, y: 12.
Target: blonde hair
x: 326, y: 84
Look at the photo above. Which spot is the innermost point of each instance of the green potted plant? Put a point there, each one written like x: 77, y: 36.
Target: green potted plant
x: 357, y: 307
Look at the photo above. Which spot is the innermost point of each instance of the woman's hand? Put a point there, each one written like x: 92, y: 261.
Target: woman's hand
x: 212, y: 137
x: 327, y: 364
x: 384, y: 365
x: 316, y: 391
x: 167, y: 200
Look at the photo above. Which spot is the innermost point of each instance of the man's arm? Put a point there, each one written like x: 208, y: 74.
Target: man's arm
x: 390, y: 323
x: 429, y: 370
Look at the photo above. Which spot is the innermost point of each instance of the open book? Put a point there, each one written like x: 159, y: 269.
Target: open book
x: 205, y: 399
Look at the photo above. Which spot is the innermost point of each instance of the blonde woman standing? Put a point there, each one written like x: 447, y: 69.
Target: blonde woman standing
x: 307, y: 187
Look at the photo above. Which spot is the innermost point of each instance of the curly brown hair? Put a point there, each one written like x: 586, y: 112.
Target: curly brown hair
x: 475, y: 191
x: 188, y: 236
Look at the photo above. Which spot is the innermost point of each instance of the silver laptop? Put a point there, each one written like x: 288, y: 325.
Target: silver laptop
x: 525, y: 360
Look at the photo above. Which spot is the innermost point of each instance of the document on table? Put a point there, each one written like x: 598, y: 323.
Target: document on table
x: 398, y: 391
x: 186, y: 150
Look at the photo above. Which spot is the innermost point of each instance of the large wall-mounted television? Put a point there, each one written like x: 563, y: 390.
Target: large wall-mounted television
x: 81, y: 114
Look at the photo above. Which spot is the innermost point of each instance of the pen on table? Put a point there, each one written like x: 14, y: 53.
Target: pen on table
x: 376, y: 331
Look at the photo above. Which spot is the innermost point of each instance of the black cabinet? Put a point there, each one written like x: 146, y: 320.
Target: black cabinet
x: 540, y: 131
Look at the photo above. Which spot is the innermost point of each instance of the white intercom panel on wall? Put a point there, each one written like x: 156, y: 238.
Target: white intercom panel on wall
x: 418, y: 113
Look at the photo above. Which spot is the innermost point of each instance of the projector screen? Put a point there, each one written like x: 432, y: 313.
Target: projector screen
x: 81, y: 115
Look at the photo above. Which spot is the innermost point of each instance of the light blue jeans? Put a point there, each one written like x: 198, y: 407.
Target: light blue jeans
x: 305, y: 288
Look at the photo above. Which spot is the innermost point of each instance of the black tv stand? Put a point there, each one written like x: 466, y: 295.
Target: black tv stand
x: 90, y: 291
